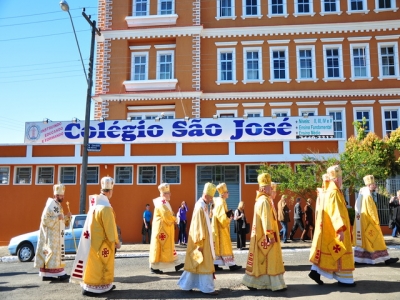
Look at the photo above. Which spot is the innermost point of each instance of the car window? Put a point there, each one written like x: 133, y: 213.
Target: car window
x: 79, y: 221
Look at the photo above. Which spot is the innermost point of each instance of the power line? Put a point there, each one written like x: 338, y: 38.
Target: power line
x: 40, y: 14
x: 40, y: 36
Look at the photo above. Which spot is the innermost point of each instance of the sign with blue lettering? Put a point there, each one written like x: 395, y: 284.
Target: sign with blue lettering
x: 93, y: 147
x: 178, y: 130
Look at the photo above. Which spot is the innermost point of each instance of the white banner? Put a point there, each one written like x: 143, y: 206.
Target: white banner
x: 178, y: 130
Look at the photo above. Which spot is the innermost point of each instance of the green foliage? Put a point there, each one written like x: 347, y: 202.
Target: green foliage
x: 352, y: 214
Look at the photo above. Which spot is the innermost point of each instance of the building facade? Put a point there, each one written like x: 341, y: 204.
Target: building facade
x: 162, y: 60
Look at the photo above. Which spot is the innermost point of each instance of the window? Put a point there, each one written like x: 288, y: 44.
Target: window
x: 253, y: 113
x: 23, y: 175
x: 308, y: 112
x: 277, y: 8
x: 166, y: 7
x: 227, y: 113
x: 139, y: 65
x: 4, y: 175
x: 92, y: 175
x: 330, y: 6
x: 338, y: 123
x: 171, y: 174
x: 251, y: 173
x: 385, y: 4
x: 147, y: 175
x: 279, y: 64
x: 333, y: 62
x: 165, y: 64
x: 150, y: 115
x: 360, y: 64
x: 388, y: 60
x: 280, y: 112
x: 252, y: 65
x: 226, y: 66
x: 303, y: 7
x: 225, y: 8
x: 391, y: 119
x: 141, y: 7
x: 305, y: 63
x: 251, y: 8
x: 357, y: 5
x: 45, y: 175
x: 68, y: 175
x: 124, y: 174
x: 366, y: 113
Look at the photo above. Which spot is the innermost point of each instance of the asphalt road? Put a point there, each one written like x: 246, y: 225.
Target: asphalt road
x: 134, y: 281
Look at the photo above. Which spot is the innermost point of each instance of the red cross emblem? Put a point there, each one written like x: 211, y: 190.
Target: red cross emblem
x: 92, y: 201
x: 320, y: 225
x: 358, y: 216
x: 317, y: 254
x: 264, y: 244
x: 105, y: 252
x: 86, y: 234
x: 336, y: 248
x: 162, y: 236
x: 371, y: 233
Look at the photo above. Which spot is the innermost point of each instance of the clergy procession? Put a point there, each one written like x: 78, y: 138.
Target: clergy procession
x: 209, y: 245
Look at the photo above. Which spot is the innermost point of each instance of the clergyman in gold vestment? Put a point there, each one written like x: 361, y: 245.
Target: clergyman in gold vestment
x: 264, y: 267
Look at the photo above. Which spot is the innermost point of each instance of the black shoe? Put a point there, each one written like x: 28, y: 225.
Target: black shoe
x: 156, y: 271
x: 45, y: 278
x: 178, y: 267
x: 346, y: 284
x: 217, y: 268
x: 286, y: 242
x: 64, y: 277
x: 251, y: 288
x: 87, y: 293
x: 391, y: 261
x: 316, y: 277
x: 235, y: 267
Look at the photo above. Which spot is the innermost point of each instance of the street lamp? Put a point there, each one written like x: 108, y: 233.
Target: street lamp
x: 65, y: 7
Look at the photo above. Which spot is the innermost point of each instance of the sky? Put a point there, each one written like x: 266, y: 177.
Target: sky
x: 41, y: 74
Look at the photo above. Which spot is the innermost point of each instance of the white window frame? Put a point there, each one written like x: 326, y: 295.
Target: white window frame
x: 151, y: 115
x: 147, y: 9
x: 260, y: 71
x: 284, y: 13
x: 139, y: 176
x: 271, y: 61
x: 159, y: 7
x: 219, y: 52
x: 76, y: 174
x: 364, y: 10
x: 16, y: 168
x: 396, y: 60
x: 308, y: 111
x: 8, y: 175
x: 38, y: 177
x: 248, y: 112
x: 391, y: 8
x: 340, y: 52
x: 98, y: 175
x: 245, y: 173
x: 299, y: 14
x: 133, y: 55
x: 337, y: 12
x: 232, y: 16
x: 343, y: 112
x: 180, y: 173
x: 278, y: 111
x: 227, y: 112
x: 245, y: 16
x: 389, y: 108
x: 368, y: 61
x: 166, y: 52
x: 116, y: 167
x: 371, y: 117
x: 313, y: 69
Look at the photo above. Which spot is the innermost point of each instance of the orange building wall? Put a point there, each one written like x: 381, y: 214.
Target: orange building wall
x: 13, y: 151
x: 53, y: 150
x: 259, y: 148
x: 205, y: 148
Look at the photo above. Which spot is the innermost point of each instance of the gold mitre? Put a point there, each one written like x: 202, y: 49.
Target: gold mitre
x: 59, y: 189
x: 164, y: 188
x: 369, y: 179
x: 264, y: 179
x: 209, y: 189
x: 325, y: 177
x: 334, y: 172
x: 273, y: 186
x: 221, y: 188
x: 107, y: 183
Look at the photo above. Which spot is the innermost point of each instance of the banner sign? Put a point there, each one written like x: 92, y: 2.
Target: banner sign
x: 179, y: 130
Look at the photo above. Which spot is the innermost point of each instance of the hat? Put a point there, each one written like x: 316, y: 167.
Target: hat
x: 264, y: 179
x: 107, y: 183
x: 369, y: 179
x: 334, y: 172
x: 325, y: 177
x: 163, y: 188
x: 209, y: 189
x: 59, y: 189
x: 221, y: 188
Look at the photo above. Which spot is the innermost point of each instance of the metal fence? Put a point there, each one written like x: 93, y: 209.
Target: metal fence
x: 382, y: 201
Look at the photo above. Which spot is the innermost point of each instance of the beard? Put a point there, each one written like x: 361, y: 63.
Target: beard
x: 59, y: 199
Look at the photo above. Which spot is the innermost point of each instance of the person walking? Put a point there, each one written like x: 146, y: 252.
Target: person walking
x: 240, y: 226
x: 181, y: 220
x: 50, y: 251
x: 393, y: 203
x: 264, y: 267
x: 298, y: 220
x: 146, y: 226
x: 283, y: 217
x: 308, y: 221
x: 199, y: 260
